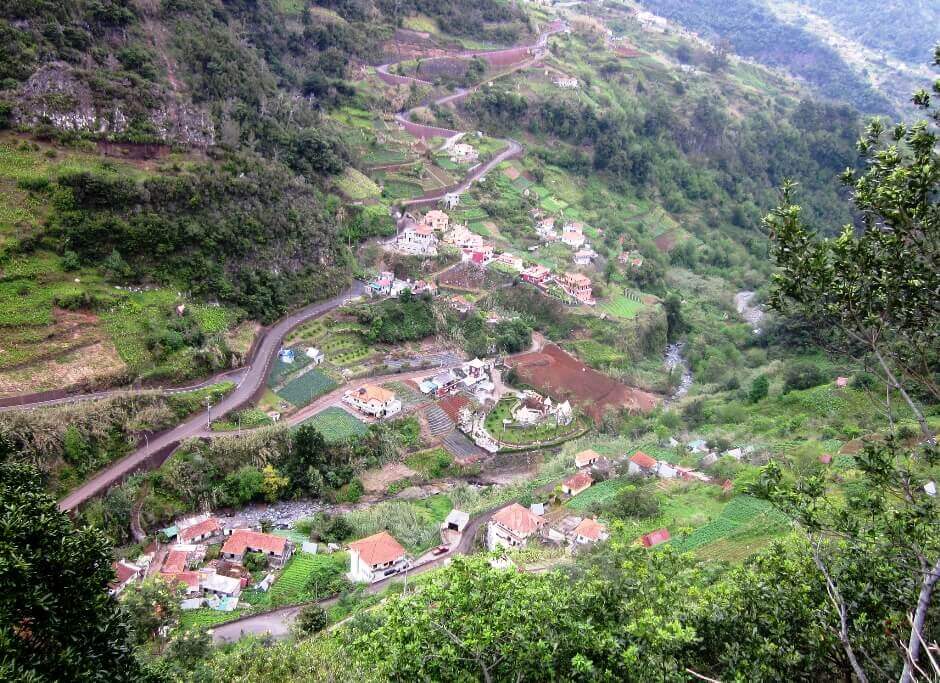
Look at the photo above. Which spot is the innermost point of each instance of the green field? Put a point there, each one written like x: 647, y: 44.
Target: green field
x: 744, y: 518
x: 205, y: 617
x: 621, y: 306
x: 302, y: 390
x: 280, y: 369
x: 432, y: 463
x: 357, y: 186
x: 337, y: 425
x: 599, y: 493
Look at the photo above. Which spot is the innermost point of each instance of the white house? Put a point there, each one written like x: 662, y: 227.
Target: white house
x: 126, y: 573
x: 584, y: 257
x: 375, y: 557
x: 463, y: 153
x: 221, y: 585
x: 417, y: 239
x: 373, y: 400
x: 666, y: 471
x: 586, y: 458
x: 572, y: 486
x: 589, y: 531
x: 437, y: 220
x: 314, y: 354
x: 512, y: 527
x: 566, y: 82
x: 198, y: 532
x: 511, y: 261
x: 641, y: 463
x: 573, y: 235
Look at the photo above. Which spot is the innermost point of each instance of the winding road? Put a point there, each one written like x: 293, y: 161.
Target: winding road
x: 513, y: 147
x: 251, y: 383
x: 250, y: 380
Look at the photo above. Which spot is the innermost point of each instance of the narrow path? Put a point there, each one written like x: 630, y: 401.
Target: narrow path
x: 513, y: 147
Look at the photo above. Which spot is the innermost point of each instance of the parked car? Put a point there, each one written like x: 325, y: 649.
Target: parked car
x: 389, y: 572
x: 440, y: 550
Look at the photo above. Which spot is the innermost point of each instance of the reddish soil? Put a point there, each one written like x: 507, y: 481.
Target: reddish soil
x: 666, y: 241
x: 563, y: 376
x: 452, y: 405
x: 628, y: 52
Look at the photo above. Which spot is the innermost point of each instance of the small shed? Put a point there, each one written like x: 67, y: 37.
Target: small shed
x: 655, y: 538
x: 457, y: 520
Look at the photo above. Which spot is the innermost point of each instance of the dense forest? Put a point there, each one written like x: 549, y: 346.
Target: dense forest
x: 753, y: 31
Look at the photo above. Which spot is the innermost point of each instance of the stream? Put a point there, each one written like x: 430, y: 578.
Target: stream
x: 672, y: 360
x: 752, y: 314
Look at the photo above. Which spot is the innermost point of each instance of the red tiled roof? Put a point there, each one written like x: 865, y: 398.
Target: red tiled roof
x: 518, y: 519
x: 655, y: 537
x: 643, y: 460
x: 190, y: 579
x: 175, y: 562
x: 590, y: 528
x: 208, y: 526
x: 579, y: 481
x: 124, y: 572
x: 242, y: 540
x: 825, y: 458
x: 586, y: 457
x: 378, y: 548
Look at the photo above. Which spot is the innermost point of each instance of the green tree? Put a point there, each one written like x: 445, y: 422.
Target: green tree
x: 57, y: 621
x: 873, y: 291
x: 634, y: 501
x: 759, y: 388
x: 676, y: 325
x: 150, y: 605
x: 311, y: 619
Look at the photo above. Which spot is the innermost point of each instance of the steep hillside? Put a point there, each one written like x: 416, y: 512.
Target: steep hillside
x: 180, y: 153
x: 805, y: 38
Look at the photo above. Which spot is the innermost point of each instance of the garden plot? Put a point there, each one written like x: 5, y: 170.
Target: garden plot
x: 744, y: 518
x: 622, y: 306
x: 337, y: 425
x: 599, y: 493
x: 308, y: 386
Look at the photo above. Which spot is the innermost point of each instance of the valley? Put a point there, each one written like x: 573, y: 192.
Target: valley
x: 461, y: 327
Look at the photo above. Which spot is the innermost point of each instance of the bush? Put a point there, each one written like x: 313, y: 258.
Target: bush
x: 803, y: 375
x: 311, y: 619
x: 639, y: 502
x: 759, y: 388
x: 255, y: 562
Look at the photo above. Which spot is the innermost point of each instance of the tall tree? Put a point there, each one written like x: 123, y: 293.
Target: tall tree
x: 57, y: 621
x: 875, y: 290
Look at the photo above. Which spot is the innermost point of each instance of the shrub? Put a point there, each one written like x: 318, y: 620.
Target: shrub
x: 255, y: 562
x: 311, y: 619
x: 759, y: 388
x: 803, y: 375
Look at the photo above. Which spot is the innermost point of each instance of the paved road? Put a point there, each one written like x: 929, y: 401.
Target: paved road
x: 254, y: 377
x: 277, y: 623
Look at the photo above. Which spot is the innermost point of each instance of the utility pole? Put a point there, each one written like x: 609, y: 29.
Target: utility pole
x: 208, y: 413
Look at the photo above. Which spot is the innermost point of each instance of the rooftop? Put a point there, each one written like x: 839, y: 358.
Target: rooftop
x: 643, y: 460
x: 207, y: 526
x: 372, y: 392
x: 580, y: 480
x: 518, y: 519
x: 241, y: 540
x: 590, y: 528
x: 378, y: 548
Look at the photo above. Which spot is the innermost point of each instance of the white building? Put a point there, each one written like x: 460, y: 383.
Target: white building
x: 437, y: 220
x: 463, y: 153
x: 566, y: 82
x: 221, y: 585
x: 417, y: 239
x: 512, y: 527
x: 315, y: 355
x: 457, y: 520
x: 375, y: 557
x: 589, y: 531
x: 373, y: 401
x: 573, y: 235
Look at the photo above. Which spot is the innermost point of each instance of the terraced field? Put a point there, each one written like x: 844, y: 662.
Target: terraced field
x: 337, y: 425
x: 308, y: 386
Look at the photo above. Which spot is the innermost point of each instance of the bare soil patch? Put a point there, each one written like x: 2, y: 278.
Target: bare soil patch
x: 666, y: 241
x: 562, y: 376
x: 89, y: 365
x: 380, y: 479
